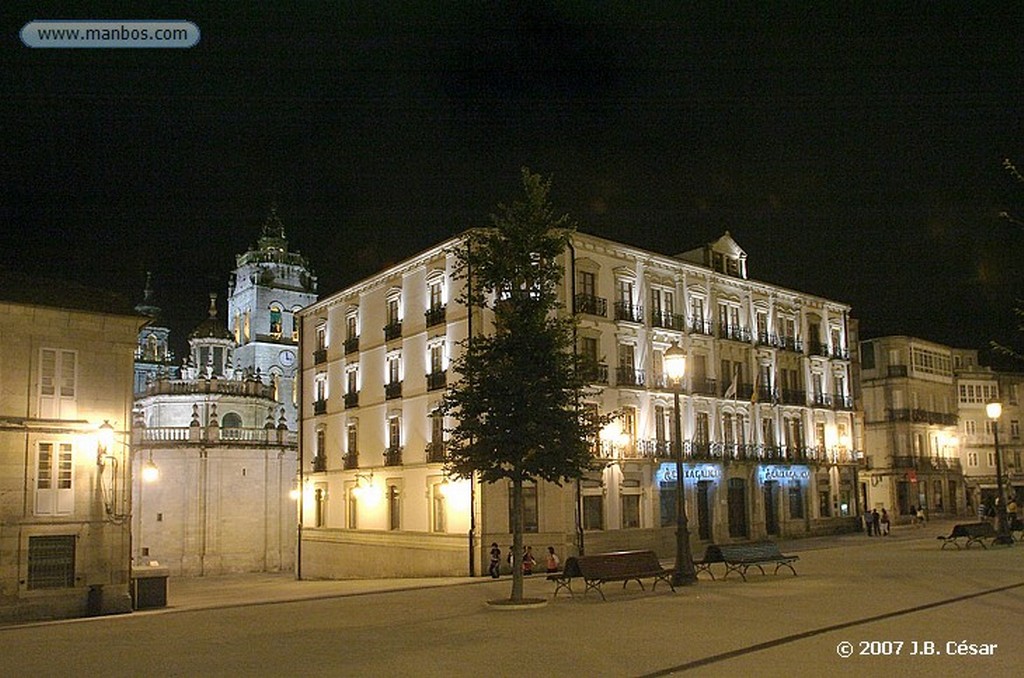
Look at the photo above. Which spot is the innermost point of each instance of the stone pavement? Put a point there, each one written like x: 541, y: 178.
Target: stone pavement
x: 902, y: 605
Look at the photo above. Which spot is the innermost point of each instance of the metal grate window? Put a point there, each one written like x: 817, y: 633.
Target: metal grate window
x: 51, y: 562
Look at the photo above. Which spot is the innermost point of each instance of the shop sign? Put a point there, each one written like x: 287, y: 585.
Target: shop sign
x: 771, y: 472
x: 666, y: 473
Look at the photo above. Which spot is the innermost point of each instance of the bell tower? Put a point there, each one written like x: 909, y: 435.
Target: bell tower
x: 268, y: 287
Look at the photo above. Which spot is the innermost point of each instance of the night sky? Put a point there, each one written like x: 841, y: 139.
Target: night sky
x: 855, y: 155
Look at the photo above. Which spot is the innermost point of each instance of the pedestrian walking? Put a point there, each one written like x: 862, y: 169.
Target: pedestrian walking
x: 875, y: 528
x: 495, y: 568
x: 885, y: 523
x: 921, y: 518
x: 553, y: 562
x: 528, y: 561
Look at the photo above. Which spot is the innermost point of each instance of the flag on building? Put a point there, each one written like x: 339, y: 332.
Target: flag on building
x: 731, y: 391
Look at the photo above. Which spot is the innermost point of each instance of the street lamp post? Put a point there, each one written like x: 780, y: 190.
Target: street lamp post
x: 994, y: 411
x: 684, y: 573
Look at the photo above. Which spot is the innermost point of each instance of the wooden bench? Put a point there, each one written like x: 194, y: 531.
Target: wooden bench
x: 624, y: 566
x: 739, y: 557
x: 973, y: 533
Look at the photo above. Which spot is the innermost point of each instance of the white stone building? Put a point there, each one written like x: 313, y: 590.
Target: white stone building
x: 767, y: 414
x: 65, y: 497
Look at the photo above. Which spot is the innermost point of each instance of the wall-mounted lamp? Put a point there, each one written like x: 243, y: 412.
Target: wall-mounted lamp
x: 364, y: 484
x: 104, y: 442
x: 150, y: 473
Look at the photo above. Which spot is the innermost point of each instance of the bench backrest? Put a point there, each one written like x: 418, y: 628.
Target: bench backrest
x: 756, y: 551
x: 974, y: 530
x: 618, y: 564
x: 571, y: 567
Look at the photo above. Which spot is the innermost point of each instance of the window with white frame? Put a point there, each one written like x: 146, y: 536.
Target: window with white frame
x: 435, y: 356
x: 630, y: 500
x: 352, y: 325
x: 1014, y: 429
x: 394, y: 368
x: 991, y: 459
x: 972, y: 459
x: 55, y: 469
x: 58, y: 383
x: 394, y: 432
x: 394, y: 308
x: 320, y: 387
x: 321, y: 337
x: 435, y: 292
x: 352, y: 379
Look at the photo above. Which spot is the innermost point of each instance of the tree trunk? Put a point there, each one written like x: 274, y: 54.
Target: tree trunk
x: 517, y: 538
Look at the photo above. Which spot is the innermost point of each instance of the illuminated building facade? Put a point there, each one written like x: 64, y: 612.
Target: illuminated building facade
x: 912, y: 447
x: 65, y: 407
x: 766, y: 410
x: 976, y: 387
x: 222, y: 432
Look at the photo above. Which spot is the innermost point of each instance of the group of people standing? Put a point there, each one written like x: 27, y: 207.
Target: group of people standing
x: 529, y: 560
x: 878, y: 524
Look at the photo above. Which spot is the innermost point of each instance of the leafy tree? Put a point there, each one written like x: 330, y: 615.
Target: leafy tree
x: 517, y: 402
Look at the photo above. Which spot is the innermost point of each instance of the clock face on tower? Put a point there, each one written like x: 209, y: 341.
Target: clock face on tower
x: 287, y: 358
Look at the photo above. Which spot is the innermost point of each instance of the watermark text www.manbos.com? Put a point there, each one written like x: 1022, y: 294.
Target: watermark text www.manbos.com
x: 91, y: 34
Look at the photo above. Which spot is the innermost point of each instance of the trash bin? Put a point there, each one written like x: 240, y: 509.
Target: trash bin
x: 149, y: 587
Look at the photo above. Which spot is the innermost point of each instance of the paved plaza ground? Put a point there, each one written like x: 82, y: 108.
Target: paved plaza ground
x: 900, y: 604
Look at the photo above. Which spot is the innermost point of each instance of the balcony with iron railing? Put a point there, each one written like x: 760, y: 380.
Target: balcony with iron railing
x: 791, y: 344
x: 392, y: 390
x: 700, y: 326
x: 437, y: 380
x: 629, y: 377
x: 351, y: 399
x: 320, y: 406
x: 393, y: 456
x: 768, y: 339
x: 668, y: 321
x: 591, y: 305
x: 821, y: 400
x: 734, y: 333
x: 704, y: 387
x: 896, y: 371
x: 926, y: 463
x: 351, y: 345
x: 924, y: 416
x: 766, y: 394
x: 319, y: 463
x: 630, y: 313
x: 393, y: 331
x: 817, y: 348
x: 840, y: 353
x: 794, y: 396
x: 350, y: 461
x: 435, y: 452
x: 716, y: 451
x: 319, y: 356
x: 842, y: 402
x: 435, y: 315
x: 593, y: 373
